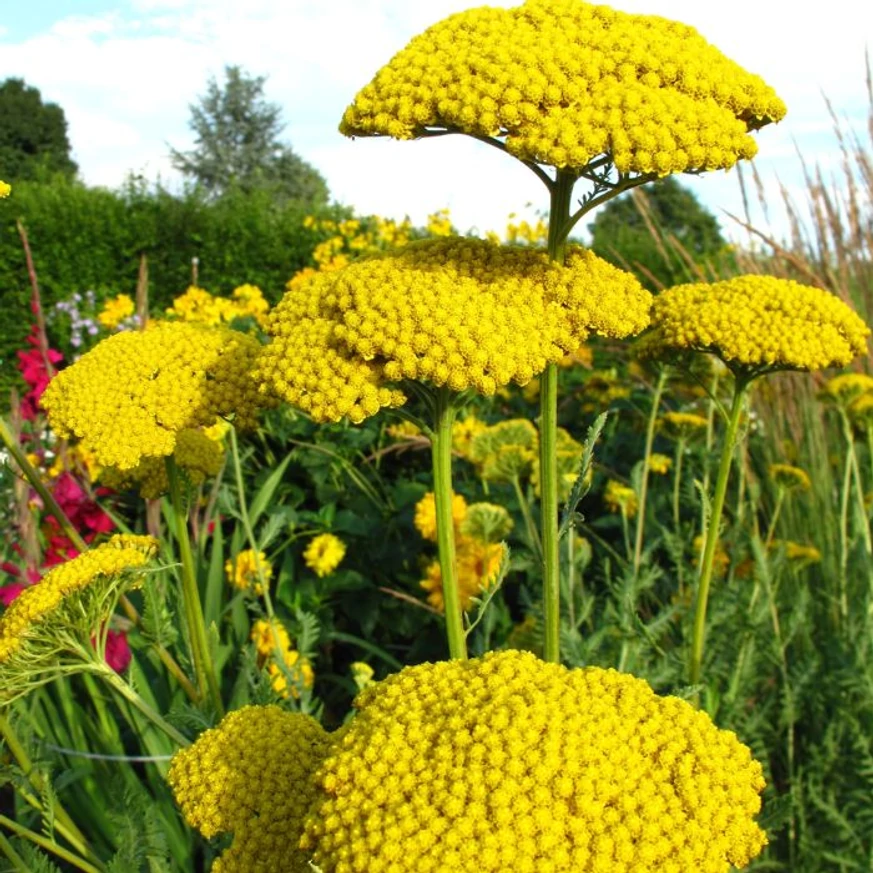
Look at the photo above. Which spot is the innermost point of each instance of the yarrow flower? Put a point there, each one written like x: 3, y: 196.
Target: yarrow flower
x: 756, y: 324
x: 789, y: 477
x: 251, y: 776
x: 847, y: 387
x: 562, y: 82
x: 242, y: 571
x: 195, y: 454
x: 130, y: 396
x: 324, y: 553
x: 425, y: 520
x: 682, y: 425
x: 57, y: 618
x: 5, y: 189
x: 464, y: 313
x: 477, y: 566
x: 660, y: 464
x: 116, y: 310
x: 281, y: 659
x: 508, y: 763
x: 621, y: 498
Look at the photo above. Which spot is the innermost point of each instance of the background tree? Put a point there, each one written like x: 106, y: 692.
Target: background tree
x: 655, y: 233
x: 33, y: 134
x: 237, y: 143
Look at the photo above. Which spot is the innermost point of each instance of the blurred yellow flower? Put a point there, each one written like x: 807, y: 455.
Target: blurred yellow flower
x: 242, y: 571
x: 324, y: 553
x: 116, y: 310
x: 620, y: 498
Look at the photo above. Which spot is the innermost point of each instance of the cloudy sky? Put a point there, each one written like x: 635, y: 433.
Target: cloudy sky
x: 126, y: 71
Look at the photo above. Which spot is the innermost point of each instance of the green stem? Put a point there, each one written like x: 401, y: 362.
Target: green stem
x: 204, y: 669
x: 441, y: 452
x: 771, y: 528
x: 524, y: 506
x: 111, y: 678
x: 561, y: 192
x: 844, y: 539
x: 50, y: 846
x: 66, y: 826
x: 644, y: 482
x: 856, y: 477
x: 712, y: 533
x: 18, y: 863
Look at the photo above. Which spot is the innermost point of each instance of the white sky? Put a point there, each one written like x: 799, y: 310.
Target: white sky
x: 126, y: 72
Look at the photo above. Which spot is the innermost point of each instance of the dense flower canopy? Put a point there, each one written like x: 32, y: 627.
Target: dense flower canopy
x: 465, y: 313
x: 130, y: 396
x: 757, y: 323
x: 508, y: 763
x: 563, y: 81
x: 251, y: 776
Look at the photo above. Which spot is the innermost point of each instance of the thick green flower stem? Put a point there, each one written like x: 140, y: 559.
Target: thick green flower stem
x: 63, y: 823
x: 644, y: 479
x: 856, y: 477
x: 441, y: 453
x: 561, y: 192
x: 116, y: 683
x: 204, y: 669
x: 712, y: 532
x: 18, y: 863
x: 43, y: 843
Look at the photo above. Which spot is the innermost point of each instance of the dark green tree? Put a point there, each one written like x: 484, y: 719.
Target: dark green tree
x: 33, y: 135
x: 656, y: 232
x: 238, y: 146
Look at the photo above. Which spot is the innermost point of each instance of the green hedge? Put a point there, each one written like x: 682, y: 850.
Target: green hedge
x: 91, y: 238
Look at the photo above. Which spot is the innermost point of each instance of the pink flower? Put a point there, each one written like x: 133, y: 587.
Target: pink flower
x: 9, y: 591
x: 117, y: 651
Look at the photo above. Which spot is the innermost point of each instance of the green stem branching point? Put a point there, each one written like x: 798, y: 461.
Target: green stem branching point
x: 441, y: 453
x: 204, y: 669
x: 712, y: 533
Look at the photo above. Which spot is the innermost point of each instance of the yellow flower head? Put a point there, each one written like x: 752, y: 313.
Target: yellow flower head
x: 465, y: 313
x: 130, y: 396
x: 463, y: 432
x: 478, y: 565
x: 267, y: 637
x: 620, y: 498
x: 198, y: 456
x: 252, y: 776
x: 562, y: 82
x: 507, y: 763
x: 660, y: 464
x: 847, y: 387
x: 425, y: 514
x: 324, y: 553
x: 789, y: 477
x: 73, y: 599
x: 757, y: 323
x: 798, y: 552
x: 486, y: 522
x: 295, y: 668
x: 682, y: 425
x: 242, y: 571
x: 5, y: 189
x: 505, y: 450
x: 249, y: 300
x: 116, y: 310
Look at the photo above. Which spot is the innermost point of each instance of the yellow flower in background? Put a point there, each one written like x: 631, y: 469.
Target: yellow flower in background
x: 660, y: 464
x: 298, y: 669
x: 425, y: 514
x: 130, y: 396
x: 463, y: 432
x: 847, y: 387
x: 682, y: 425
x: 439, y: 223
x: 268, y: 636
x: 583, y: 357
x: 506, y: 450
x: 362, y: 673
x: 242, y: 571
x: 561, y: 82
x: 5, y: 189
x: 324, y: 553
x: 249, y: 300
x: 403, y: 430
x: 755, y: 324
x: 198, y: 305
x: 251, y: 776
x: 507, y: 763
x: 802, y: 554
x: 789, y: 477
x: 721, y: 559
x: 116, y: 310
x: 486, y: 522
x: 458, y: 312
x: 620, y: 498
x: 478, y: 565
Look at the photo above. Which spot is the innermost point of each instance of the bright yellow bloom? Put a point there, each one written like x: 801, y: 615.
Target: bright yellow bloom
x: 116, y: 310
x: 249, y: 300
x: 506, y: 763
x: 478, y: 564
x: 267, y: 637
x: 252, y: 776
x: 363, y: 674
x: 242, y: 571
x: 660, y: 464
x: 5, y: 189
x: 298, y: 669
x: 621, y: 498
x: 324, y: 553
x: 198, y: 456
x: 425, y: 514
x: 802, y: 554
x: 562, y: 82
x: 458, y: 312
x: 848, y: 387
x: 198, y: 305
x: 682, y: 425
x: 130, y: 396
x: 757, y: 323
x: 789, y: 477
x: 440, y: 224
x: 403, y: 430
x: 75, y: 599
